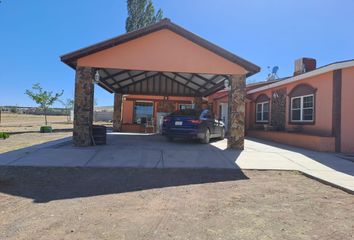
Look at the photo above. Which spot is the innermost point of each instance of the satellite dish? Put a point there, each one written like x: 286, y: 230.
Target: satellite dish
x: 273, y: 75
x: 275, y: 70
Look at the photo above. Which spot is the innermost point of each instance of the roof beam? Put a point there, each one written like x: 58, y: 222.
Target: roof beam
x: 133, y: 83
x: 216, y: 88
x: 189, y: 80
x: 182, y: 84
x: 209, y: 81
x: 105, y: 86
x: 113, y: 75
x: 106, y: 72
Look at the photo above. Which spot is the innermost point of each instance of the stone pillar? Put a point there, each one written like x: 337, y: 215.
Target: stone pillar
x: 83, y: 109
x: 237, y: 107
x: 198, y: 103
x: 117, y: 112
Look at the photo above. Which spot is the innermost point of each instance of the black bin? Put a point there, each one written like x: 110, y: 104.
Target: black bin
x: 99, y: 134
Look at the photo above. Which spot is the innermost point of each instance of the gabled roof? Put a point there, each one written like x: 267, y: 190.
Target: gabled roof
x: 72, y: 57
x: 324, y: 69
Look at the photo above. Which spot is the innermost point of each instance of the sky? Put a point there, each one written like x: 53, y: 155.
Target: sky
x: 34, y: 34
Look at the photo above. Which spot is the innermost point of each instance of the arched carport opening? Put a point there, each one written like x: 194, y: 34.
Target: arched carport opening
x: 162, y: 59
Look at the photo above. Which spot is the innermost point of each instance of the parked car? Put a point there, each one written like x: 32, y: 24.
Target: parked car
x: 190, y: 123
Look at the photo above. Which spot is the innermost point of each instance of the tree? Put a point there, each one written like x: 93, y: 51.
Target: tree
x: 68, y: 105
x: 45, y: 99
x: 141, y: 13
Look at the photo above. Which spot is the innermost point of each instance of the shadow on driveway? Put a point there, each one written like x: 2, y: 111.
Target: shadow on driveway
x: 48, y: 184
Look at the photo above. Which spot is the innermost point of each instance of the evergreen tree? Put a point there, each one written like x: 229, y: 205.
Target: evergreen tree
x: 141, y: 13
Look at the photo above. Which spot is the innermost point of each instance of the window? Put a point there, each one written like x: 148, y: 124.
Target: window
x: 143, y: 112
x: 185, y: 106
x: 302, y: 108
x: 262, y: 112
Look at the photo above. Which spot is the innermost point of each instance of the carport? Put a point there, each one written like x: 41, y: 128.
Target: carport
x: 162, y: 59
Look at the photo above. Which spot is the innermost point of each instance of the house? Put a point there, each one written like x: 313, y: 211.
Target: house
x: 311, y: 109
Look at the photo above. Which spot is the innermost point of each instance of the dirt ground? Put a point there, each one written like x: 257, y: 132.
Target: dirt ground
x: 11, y: 122
x: 24, y: 130
x: 86, y: 203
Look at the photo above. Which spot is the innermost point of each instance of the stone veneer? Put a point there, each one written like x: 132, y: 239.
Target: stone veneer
x: 236, y: 135
x: 117, y: 112
x: 278, y: 109
x: 83, y: 109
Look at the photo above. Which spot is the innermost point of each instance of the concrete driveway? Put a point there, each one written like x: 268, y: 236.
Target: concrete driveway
x: 153, y: 151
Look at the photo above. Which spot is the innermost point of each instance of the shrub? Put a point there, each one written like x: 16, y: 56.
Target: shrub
x: 46, y: 129
x: 4, y: 135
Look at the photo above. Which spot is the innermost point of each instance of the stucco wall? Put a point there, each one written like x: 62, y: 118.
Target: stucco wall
x: 128, y: 107
x: 163, y: 50
x: 128, y: 104
x: 347, y: 119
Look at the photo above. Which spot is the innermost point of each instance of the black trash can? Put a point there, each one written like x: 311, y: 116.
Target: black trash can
x: 99, y: 134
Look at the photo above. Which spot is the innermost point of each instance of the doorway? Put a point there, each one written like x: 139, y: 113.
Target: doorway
x: 224, y: 114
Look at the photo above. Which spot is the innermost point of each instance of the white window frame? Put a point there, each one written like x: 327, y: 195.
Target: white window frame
x: 143, y: 101
x: 302, y: 109
x: 262, y: 111
x: 185, y: 104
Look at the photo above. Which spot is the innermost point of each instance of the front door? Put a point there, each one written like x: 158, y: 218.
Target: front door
x: 224, y: 113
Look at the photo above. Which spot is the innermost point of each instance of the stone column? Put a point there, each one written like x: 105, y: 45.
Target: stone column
x: 83, y: 109
x: 198, y: 103
x: 237, y: 106
x: 117, y: 112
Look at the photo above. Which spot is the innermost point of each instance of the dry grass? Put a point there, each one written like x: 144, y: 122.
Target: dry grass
x: 24, y: 130
x: 18, y: 141
x: 13, y: 123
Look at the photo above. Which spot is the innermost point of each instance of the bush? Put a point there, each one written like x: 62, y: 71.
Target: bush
x: 4, y: 135
x: 46, y: 129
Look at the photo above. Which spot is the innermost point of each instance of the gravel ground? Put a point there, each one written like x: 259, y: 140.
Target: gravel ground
x: 86, y: 203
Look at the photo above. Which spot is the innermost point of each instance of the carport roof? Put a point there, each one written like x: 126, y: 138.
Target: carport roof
x: 71, y: 58
x: 131, y: 75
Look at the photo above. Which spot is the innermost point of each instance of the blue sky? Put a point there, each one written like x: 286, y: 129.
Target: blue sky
x: 274, y: 32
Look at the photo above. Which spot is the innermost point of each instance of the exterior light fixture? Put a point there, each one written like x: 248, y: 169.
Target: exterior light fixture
x: 97, y: 77
x: 275, y: 95
x: 227, y: 84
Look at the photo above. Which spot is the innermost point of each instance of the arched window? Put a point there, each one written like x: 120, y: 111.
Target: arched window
x: 302, y: 104
x: 262, y: 109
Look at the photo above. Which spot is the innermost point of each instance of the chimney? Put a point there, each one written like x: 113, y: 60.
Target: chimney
x: 303, y: 65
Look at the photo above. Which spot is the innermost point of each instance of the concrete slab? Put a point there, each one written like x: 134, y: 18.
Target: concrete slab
x: 55, y: 158
x: 125, y: 158
x: 151, y: 151
x: 264, y: 161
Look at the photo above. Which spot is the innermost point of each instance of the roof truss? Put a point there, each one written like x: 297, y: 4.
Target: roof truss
x: 160, y: 83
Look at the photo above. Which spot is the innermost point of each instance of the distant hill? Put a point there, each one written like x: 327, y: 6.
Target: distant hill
x: 104, y: 109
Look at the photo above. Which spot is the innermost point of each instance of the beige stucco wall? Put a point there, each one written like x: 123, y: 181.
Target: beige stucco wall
x: 163, y: 50
x: 347, y: 119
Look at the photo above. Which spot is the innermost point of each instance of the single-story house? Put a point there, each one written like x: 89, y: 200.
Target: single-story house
x: 311, y: 109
